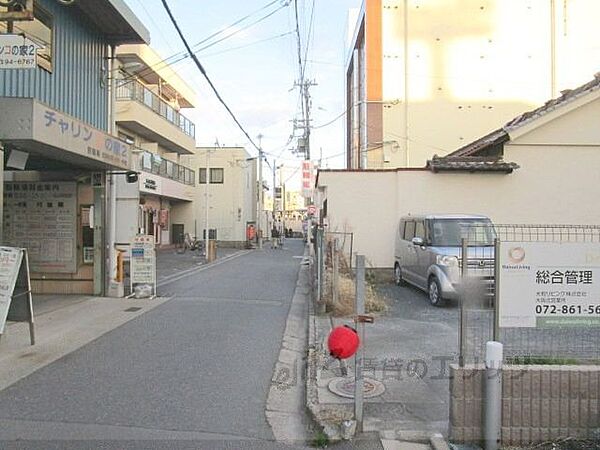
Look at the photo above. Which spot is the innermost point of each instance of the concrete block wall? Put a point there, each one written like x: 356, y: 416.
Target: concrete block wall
x: 539, y: 403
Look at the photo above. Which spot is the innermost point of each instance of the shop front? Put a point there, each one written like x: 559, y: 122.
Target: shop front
x: 160, y: 198
x: 55, y: 194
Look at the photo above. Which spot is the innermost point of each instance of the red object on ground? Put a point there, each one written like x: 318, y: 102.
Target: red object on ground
x: 343, y: 342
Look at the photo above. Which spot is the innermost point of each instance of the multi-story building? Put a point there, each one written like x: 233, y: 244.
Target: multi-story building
x: 425, y: 77
x: 225, y: 198
x: 150, y: 96
x: 56, y: 129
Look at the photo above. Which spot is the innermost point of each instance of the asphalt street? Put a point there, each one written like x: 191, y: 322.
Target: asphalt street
x: 193, y: 372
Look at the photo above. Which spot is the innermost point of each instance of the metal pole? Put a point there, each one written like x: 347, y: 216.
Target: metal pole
x: 359, y: 358
x: 336, y: 268
x: 206, y: 203
x: 461, y: 326
x: 260, y: 193
x: 496, y: 289
x: 493, y: 395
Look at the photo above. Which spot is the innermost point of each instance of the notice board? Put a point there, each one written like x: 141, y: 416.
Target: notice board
x: 15, y: 288
x: 143, y: 266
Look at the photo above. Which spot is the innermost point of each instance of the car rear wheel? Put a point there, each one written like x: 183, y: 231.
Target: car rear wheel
x: 435, y: 292
x: 398, y: 276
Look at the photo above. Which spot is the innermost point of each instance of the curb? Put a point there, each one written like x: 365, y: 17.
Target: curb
x: 327, y: 417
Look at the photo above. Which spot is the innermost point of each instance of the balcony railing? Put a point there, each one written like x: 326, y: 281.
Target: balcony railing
x: 152, y: 163
x: 134, y: 90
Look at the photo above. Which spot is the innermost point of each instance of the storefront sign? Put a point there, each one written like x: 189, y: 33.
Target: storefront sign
x: 143, y: 266
x: 42, y: 217
x: 307, y: 179
x: 545, y: 284
x: 18, y: 52
x: 165, y: 187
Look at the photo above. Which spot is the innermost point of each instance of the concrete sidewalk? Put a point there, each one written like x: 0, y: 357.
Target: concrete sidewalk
x: 64, y: 323
x: 408, y: 349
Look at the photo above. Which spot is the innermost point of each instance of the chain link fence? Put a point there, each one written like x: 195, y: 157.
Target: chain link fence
x: 559, y: 343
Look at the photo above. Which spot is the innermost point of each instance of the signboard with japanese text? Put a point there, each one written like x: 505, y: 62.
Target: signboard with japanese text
x: 143, y: 266
x: 10, y: 263
x: 307, y: 179
x: 42, y: 217
x: 17, y: 52
x: 547, y: 284
x: 15, y: 289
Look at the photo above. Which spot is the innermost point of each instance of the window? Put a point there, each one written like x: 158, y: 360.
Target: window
x: 420, y: 230
x: 216, y: 176
x: 39, y: 30
x: 409, y: 230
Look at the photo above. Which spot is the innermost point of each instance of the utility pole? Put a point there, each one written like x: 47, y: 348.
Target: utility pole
x: 260, y: 193
x: 207, y: 200
x: 274, y: 188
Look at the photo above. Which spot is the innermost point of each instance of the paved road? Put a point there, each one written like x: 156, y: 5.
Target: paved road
x: 192, y: 373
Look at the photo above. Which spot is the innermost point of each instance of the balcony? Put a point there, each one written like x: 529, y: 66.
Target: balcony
x: 152, y: 163
x: 144, y: 112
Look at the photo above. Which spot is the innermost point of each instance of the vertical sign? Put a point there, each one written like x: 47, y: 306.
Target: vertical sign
x: 10, y: 263
x: 307, y: 179
x: 143, y: 266
x: 549, y: 284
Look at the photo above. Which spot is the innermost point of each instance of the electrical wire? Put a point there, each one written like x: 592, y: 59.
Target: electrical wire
x: 272, y: 38
x: 203, y: 71
x: 180, y: 56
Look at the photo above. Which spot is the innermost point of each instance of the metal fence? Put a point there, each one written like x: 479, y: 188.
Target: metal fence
x: 481, y: 287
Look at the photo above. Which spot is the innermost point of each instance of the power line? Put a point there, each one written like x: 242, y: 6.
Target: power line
x: 203, y: 71
x: 180, y: 56
x: 247, y: 45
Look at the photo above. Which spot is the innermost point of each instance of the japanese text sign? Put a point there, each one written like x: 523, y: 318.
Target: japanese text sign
x: 548, y: 284
x: 17, y: 52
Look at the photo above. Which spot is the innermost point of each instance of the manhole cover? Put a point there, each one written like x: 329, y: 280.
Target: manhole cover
x: 133, y: 309
x: 344, y: 387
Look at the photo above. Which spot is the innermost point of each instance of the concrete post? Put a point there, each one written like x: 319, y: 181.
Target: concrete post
x: 493, y: 395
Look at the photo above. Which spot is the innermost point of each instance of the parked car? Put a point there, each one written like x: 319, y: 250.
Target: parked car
x: 428, y: 252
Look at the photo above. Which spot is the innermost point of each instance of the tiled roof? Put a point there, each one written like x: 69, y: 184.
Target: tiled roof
x: 566, y: 96
x: 470, y: 164
x: 494, y: 138
x: 500, y: 135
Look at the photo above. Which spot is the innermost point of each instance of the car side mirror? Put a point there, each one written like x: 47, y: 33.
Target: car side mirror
x: 418, y: 241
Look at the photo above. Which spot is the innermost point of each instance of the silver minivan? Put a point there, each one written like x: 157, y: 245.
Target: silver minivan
x: 428, y: 252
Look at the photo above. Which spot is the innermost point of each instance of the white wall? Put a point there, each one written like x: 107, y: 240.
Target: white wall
x: 555, y: 185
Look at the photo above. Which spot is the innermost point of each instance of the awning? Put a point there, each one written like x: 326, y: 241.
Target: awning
x: 56, y: 140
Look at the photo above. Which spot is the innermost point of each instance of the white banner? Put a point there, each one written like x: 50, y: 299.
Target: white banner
x: 546, y: 284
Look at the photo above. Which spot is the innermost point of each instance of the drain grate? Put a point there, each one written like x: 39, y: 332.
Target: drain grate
x: 133, y: 309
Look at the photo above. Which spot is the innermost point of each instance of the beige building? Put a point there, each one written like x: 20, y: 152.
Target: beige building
x: 539, y: 168
x: 424, y: 77
x: 230, y: 195
x: 150, y: 98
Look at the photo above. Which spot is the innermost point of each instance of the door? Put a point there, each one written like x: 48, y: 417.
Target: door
x: 422, y: 255
x: 408, y: 258
x: 177, y: 233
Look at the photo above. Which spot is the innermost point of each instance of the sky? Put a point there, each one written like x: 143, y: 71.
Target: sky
x: 255, y: 68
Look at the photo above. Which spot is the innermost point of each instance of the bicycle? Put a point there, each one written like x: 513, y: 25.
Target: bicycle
x: 189, y: 242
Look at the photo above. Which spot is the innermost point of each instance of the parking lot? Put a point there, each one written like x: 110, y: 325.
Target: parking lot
x: 410, y: 348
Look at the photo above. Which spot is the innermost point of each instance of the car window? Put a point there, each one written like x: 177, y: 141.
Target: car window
x: 449, y: 232
x: 409, y: 230
x: 420, y: 230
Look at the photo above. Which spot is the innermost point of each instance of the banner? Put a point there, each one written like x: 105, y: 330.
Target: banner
x: 547, y: 284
